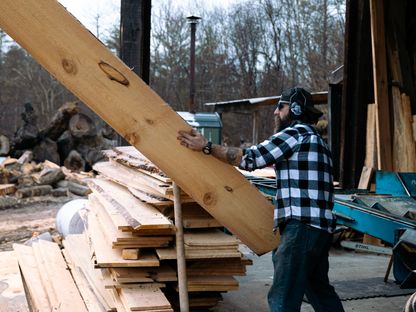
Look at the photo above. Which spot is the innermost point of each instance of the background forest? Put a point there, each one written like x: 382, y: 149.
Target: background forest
x: 250, y: 49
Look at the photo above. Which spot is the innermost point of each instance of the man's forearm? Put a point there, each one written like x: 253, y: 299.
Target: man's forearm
x: 196, y: 142
x: 230, y: 155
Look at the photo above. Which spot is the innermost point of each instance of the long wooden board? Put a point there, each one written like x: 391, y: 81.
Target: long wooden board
x: 38, y: 297
x: 12, y: 293
x: 378, y: 44
x: 77, y: 252
x: 82, y: 63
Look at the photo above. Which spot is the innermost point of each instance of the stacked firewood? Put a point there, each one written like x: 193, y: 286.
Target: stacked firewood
x: 24, y: 178
x: 70, y: 138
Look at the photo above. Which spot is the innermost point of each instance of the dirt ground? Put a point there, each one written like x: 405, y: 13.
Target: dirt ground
x: 30, y: 217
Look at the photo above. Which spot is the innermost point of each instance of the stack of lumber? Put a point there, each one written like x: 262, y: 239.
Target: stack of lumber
x: 126, y: 260
x: 132, y: 235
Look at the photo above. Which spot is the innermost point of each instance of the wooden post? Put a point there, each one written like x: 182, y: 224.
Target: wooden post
x: 135, y: 36
x: 255, y: 127
x: 180, y: 251
x: 381, y: 96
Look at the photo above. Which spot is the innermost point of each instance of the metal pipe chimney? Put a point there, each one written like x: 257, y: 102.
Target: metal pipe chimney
x: 192, y: 20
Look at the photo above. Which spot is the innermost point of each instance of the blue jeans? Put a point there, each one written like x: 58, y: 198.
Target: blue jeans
x: 301, y: 267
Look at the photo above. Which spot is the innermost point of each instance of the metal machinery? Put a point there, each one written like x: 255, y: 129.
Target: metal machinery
x: 389, y: 214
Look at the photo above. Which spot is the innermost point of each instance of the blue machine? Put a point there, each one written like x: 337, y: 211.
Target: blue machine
x: 389, y: 214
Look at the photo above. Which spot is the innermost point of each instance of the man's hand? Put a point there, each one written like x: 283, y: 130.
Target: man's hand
x: 196, y: 142
x: 192, y: 140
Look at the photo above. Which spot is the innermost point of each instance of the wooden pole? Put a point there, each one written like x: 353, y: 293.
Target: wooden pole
x: 381, y: 86
x: 180, y: 251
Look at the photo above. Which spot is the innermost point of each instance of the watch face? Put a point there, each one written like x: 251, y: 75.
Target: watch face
x: 207, y: 148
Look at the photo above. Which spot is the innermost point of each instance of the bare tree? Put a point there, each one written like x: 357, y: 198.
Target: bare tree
x: 169, y: 64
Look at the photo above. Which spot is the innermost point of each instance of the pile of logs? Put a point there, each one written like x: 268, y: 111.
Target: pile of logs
x: 126, y: 259
x: 24, y: 178
x: 71, y: 138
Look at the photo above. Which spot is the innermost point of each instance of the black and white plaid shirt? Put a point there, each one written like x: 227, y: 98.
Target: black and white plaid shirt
x: 304, y: 180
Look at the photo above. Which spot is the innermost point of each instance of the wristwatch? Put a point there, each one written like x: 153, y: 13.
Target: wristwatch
x: 207, y: 148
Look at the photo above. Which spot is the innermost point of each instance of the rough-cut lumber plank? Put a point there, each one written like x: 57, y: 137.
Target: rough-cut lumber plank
x: 139, y: 215
x: 12, y: 294
x: 365, y: 178
x: 158, y: 202
x: 90, y: 298
x: 212, y: 283
x: 77, y: 249
x: 208, y: 238
x: 414, y: 127
x: 107, y: 257
x: 170, y: 254
x: 378, y: 44
x: 130, y: 253
x: 70, y: 299
x: 194, y: 216
x: 96, y: 203
x: 83, y: 64
x: 144, y: 298
x: 371, y: 139
x: 128, y: 177
x: 120, y: 239
x: 117, y: 301
x: 130, y: 156
x: 45, y: 276
x: 31, y: 274
x: 404, y: 145
x: 164, y: 273
x: 214, y: 267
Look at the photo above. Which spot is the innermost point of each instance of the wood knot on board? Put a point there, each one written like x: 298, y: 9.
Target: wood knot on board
x: 113, y: 74
x: 69, y: 66
x: 149, y: 121
x: 133, y: 138
x: 228, y: 188
x: 209, y: 198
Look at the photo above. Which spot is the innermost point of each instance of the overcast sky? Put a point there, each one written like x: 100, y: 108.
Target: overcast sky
x: 108, y: 11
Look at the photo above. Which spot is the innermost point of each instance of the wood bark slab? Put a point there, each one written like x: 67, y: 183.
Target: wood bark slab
x: 76, y: 58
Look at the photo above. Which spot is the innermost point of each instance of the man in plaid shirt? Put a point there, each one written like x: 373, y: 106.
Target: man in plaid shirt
x: 304, y: 201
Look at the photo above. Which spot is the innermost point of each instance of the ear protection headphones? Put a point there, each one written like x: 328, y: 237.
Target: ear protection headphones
x: 294, y: 106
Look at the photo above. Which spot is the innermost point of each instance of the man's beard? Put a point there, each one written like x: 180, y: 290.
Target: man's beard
x: 282, y: 124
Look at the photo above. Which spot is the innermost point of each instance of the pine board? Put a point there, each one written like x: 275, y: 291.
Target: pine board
x: 82, y: 63
x: 209, y: 238
x: 194, y: 217
x: 106, y: 256
x: 90, y: 298
x: 128, y: 178
x: 118, y: 238
x: 12, y: 292
x: 164, y: 273
x: 170, y: 254
x: 77, y: 249
x: 45, y: 276
x: 139, y: 215
x: 144, y: 298
x: 70, y: 299
x: 27, y: 262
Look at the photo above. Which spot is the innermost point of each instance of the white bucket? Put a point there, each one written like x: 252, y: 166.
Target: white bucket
x: 68, y: 219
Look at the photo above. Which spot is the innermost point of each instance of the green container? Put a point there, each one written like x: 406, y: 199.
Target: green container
x: 209, y: 124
